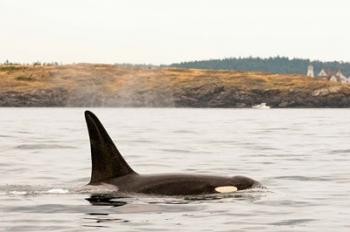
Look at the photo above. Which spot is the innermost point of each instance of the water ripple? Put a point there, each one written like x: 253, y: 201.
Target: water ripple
x: 42, y: 146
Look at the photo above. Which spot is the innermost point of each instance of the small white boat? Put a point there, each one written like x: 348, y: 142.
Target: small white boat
x: 261, y: 106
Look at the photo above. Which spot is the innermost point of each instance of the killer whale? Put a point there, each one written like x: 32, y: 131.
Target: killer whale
x: 109, y: 167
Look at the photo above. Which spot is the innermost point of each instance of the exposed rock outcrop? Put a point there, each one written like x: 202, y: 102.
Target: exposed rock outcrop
x: 207, y: 96
x: 35, y: 98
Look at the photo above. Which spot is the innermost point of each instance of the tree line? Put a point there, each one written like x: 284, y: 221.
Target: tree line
x: 283, y: 65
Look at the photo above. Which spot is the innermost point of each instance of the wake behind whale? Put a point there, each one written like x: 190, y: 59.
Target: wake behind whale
x: 109, y: 167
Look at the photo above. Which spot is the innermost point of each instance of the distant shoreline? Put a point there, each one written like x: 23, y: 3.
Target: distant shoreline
x: 98, y: 85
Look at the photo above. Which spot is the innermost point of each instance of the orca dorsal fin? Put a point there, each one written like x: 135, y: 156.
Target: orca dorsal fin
x: 107, y: 162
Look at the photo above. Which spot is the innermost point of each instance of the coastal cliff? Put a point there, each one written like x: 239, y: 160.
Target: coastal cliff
x: 87, y: 85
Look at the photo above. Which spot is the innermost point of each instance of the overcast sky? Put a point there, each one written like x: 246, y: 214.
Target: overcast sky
x: 166, y: 31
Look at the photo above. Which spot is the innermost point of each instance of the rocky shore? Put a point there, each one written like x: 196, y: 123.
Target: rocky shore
x: 205, y: 97
x: 90, y: 86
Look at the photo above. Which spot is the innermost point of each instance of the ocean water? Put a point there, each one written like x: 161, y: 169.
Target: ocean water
x: 301, y: 156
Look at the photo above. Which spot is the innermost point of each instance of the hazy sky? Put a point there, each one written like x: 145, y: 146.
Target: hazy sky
x: 166, y: 31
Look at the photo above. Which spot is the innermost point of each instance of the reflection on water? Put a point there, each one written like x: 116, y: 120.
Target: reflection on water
x: 106, y: 200
x: 301, y: 156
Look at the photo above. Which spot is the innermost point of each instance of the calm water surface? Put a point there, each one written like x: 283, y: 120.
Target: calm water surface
x: 302, y: 156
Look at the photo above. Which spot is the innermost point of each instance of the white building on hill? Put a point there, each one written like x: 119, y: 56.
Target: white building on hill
x: 310, y: 71
x: 336, y: 76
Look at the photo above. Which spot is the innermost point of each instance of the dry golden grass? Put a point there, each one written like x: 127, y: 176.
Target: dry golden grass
x: 112, y: 78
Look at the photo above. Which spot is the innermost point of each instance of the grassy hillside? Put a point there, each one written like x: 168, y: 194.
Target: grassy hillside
x: 112, y: 85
